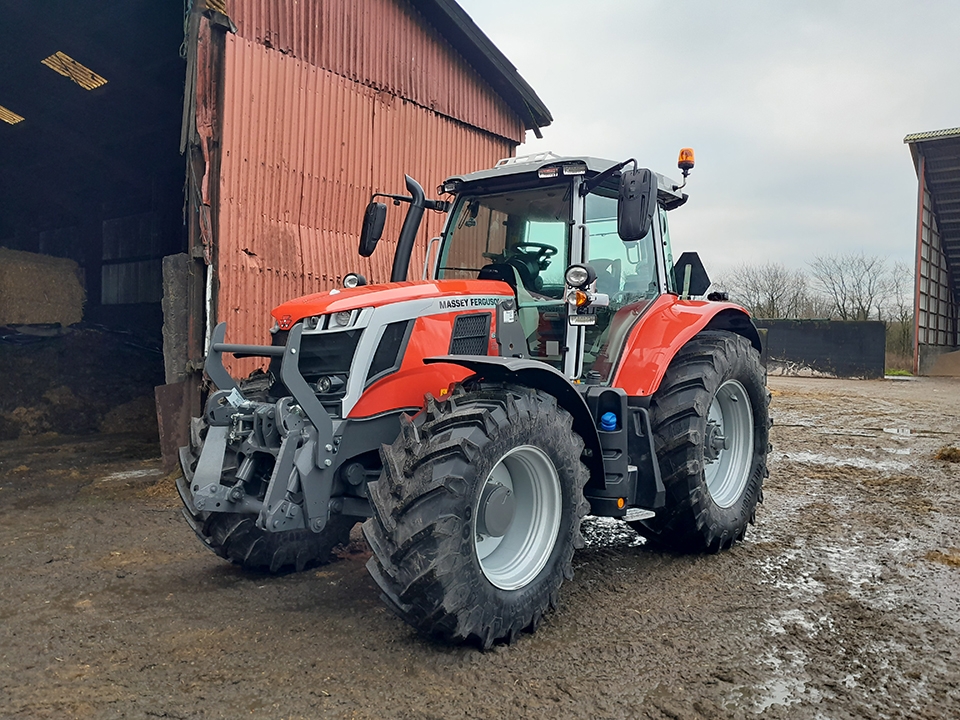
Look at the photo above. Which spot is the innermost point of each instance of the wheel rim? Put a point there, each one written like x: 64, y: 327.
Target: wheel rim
x: 728, y: 447
x: 514, y: 559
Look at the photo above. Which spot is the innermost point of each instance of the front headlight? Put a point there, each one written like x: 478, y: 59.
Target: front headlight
x: 343, y: 318
x: 352, y: 280
x: 579, y: 276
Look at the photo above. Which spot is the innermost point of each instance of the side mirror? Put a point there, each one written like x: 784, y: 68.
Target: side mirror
x: 636, y: 204
x: 373, y: 220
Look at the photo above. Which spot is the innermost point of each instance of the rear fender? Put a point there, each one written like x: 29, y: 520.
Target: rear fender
x: 665, y: 328
x: 540, y: 376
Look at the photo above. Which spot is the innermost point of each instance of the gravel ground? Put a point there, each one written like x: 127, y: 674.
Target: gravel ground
x: 843, y: 602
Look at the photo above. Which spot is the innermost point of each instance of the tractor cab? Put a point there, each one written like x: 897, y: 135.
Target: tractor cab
x: 551, y: 227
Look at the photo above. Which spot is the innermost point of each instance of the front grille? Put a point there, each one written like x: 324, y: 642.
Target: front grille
x: 328, y: 355
x: 471, y: 334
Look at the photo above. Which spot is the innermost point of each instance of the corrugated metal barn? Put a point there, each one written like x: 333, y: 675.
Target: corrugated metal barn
x: 936, y: 157
x: 215, y: 198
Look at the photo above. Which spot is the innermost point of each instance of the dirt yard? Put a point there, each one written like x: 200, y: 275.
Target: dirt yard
x: 844, y: 601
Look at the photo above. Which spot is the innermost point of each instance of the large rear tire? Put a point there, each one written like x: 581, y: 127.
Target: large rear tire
x: 477, y: 514
x: 711, y: 426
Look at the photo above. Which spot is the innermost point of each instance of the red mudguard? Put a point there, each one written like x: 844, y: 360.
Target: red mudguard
x: 663, y: 329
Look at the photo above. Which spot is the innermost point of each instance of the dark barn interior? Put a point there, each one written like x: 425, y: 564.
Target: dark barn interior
x: 95, y: 174
x: 90, y: 171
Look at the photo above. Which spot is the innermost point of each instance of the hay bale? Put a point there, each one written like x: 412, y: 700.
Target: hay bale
x: 37, y: 289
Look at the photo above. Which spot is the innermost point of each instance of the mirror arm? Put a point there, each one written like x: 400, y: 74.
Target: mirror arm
x: 588, y: 186
x: 397, y: 199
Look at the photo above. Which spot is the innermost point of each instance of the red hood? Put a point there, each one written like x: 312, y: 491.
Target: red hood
x: 334, y: 301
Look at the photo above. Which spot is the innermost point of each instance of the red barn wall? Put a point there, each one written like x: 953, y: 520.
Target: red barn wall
x: 322, y: 105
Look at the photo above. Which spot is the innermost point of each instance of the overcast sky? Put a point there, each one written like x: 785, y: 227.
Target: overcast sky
x: 796, y: 110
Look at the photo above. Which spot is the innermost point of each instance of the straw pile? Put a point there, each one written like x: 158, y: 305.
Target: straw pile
x: 37, y: 289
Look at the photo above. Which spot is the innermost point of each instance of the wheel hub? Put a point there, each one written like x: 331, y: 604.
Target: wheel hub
x: 498, y: 505
x: 517, y: 517
x: 714, y: 442
x: 728, y: 444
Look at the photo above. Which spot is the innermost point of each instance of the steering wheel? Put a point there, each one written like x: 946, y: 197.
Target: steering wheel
x: 541, y: 250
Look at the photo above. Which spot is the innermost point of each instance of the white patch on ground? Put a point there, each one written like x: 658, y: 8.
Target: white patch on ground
x: 850, y: 564
x: 608, y: 532
x: 789, y: 571
x: 861, y: 463
x: 131, y: 475
x: 785, y: 686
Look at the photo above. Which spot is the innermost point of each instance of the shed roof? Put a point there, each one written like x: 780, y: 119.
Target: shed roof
x: 940, y: 150
x: 471, y: 42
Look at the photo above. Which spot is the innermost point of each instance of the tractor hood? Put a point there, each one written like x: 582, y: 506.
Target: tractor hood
x: 338, y: 300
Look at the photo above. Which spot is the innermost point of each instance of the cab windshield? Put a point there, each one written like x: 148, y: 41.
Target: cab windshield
x: 521, y: 237
x: 527, y: 230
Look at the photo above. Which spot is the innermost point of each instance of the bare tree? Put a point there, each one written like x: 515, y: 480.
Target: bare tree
x: 855, y: 284
x: 899, y: 312
x: 769, y: 290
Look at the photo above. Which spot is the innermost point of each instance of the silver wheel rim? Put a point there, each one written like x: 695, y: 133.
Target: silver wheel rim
x: 513, y: 560
x: 730, y: 420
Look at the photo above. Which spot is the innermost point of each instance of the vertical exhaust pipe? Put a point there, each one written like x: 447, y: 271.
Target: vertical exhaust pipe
x: 408, y: 233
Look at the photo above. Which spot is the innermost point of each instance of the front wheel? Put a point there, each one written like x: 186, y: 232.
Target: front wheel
x: 711, y: 426
x: 236, y: 537
x: 477, y: 514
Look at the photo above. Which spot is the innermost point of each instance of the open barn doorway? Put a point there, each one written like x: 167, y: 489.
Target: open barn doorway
x: 91, y: 200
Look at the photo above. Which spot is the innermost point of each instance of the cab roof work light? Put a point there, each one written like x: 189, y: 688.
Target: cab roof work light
x: 68, y: 67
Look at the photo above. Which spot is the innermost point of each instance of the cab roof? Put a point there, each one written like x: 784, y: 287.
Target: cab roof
x: 667, y: 189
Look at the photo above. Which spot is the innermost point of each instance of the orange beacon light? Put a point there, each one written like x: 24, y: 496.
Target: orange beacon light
x: 685, y: 162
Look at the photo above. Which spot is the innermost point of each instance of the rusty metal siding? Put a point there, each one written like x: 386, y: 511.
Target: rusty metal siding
x: 383, y: 44
x: 302, y: 151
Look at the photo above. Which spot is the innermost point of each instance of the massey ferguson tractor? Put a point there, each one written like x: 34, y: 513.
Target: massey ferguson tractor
x: 553, y: 362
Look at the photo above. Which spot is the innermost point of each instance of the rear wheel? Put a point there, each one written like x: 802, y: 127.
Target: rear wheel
x: 477, y: 514
x: 711, y: 425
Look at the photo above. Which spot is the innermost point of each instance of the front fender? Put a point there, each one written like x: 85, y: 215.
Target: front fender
x: 667, y: 326
x: 539, y: 375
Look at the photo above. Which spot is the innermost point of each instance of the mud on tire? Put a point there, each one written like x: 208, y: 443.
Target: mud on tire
x: 236, y: 537
x: 431, y: 506
x: 711, y: 425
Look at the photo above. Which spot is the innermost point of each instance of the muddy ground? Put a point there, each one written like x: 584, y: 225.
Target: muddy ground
x: 844, y: 601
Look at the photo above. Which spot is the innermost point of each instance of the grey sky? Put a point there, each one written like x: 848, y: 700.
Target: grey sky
x: 796, y: 110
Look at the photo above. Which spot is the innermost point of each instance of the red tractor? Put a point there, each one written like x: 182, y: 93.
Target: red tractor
x: 551, y: 364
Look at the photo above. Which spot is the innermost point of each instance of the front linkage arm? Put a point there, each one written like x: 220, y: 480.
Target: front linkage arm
x: 296, y: 430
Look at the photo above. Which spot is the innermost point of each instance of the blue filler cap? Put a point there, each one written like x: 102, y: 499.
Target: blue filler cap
x: 608, y: 422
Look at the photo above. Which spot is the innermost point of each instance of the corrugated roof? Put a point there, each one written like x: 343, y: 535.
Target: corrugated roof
x: 930, y: 135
